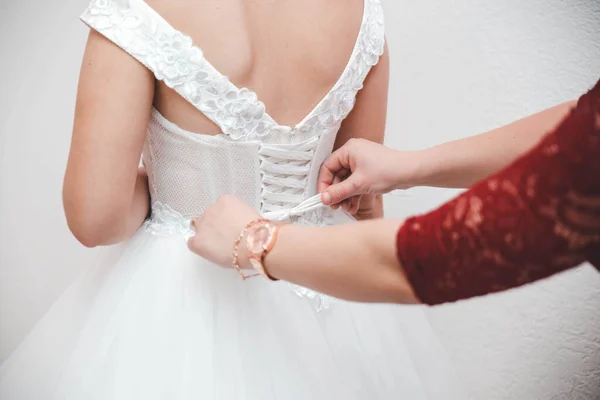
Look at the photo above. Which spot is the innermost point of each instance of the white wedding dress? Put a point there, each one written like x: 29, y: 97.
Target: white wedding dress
x: 162, y: 323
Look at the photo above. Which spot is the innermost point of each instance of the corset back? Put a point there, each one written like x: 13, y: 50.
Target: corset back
x: 188, y: 172
x: 271, y: 166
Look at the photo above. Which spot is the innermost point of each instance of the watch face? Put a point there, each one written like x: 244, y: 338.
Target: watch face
x: 258, y: 237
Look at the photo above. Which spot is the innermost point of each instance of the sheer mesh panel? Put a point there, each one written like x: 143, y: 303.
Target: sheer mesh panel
x: 189, y: 172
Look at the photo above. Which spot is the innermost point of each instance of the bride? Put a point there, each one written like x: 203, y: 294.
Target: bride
x: 275, y: 87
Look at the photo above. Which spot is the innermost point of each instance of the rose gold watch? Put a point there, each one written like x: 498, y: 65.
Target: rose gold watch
x: 260, y: 238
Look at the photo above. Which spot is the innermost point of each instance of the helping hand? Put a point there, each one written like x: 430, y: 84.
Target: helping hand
x: 362, y: 167
x: 219, y: 227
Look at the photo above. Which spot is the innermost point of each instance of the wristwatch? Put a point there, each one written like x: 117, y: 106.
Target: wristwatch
x: 260, y: 238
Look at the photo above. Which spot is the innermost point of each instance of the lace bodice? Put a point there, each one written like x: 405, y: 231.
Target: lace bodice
x: 270, y: 166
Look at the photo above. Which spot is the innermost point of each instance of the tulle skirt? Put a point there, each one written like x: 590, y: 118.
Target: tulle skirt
x: 162, y: 323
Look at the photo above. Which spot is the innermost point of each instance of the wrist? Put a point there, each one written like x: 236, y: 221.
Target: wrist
x: 243, y: 255
x: 255, y: 242
x: 424, y: 168
x: 408, y: 169
x: 273, y: 260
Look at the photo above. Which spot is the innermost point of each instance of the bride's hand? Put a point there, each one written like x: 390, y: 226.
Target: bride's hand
x: 219, y: 227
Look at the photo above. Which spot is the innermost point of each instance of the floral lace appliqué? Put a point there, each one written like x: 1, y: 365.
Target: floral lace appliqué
x: 174, y: 59
x: 166, y: 222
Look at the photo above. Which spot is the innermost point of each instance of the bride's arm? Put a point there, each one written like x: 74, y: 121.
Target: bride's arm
x: 105, y: 194
x: 367, y: 121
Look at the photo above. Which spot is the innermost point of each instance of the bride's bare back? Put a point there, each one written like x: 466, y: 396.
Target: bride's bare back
x: 272, y: 47
x: 289, y: 52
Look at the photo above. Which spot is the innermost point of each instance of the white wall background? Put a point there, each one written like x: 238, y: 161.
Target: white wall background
x: 458, y: 68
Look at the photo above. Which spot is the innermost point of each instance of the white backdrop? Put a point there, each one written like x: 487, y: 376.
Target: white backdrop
x: 458, y: 68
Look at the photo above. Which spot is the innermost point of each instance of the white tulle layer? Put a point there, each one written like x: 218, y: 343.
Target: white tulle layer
x: 161, y: 323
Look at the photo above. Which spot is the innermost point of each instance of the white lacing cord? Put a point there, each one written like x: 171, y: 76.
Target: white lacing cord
x: 285, y: 171
x: 310, y: 204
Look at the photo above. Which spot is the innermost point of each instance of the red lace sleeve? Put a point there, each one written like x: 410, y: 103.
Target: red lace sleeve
x: 537, y: 217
